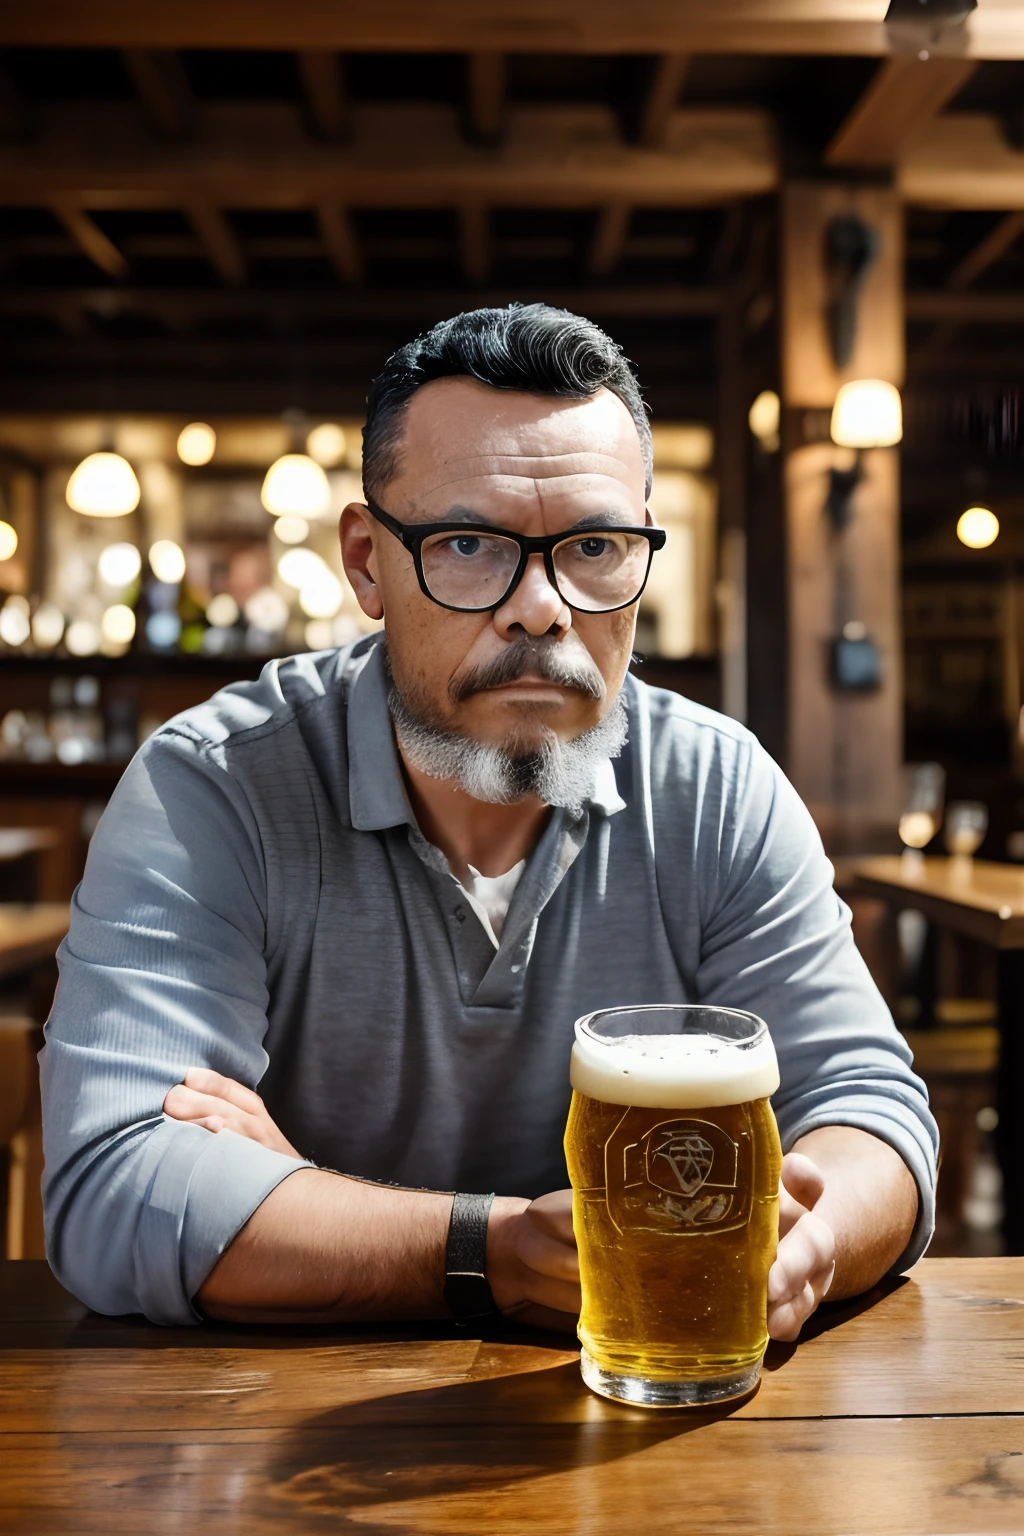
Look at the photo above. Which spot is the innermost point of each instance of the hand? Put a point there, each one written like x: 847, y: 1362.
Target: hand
x: 532, y: 1265
x: 805, y: 1263
x: 220, y: 1104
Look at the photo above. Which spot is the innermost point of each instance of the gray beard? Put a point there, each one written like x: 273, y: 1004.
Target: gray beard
x: 561, y: 773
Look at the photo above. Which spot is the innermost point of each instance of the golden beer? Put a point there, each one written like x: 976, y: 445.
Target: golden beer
x: 674, y: 1159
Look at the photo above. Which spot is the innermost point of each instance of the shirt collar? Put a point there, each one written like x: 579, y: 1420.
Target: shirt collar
x: 376, y: 788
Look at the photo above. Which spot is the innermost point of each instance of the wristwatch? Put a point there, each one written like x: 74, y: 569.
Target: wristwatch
x: 465, y: 1260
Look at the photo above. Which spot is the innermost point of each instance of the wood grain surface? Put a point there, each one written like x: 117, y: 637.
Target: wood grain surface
x: 976, y: 897
x: 902, y: 1412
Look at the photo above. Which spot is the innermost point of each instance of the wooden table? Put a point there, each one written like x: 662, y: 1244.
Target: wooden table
x: 902, y: 1414
x: 984, y: 901
x: 30, y: 933
x: 20, y: 848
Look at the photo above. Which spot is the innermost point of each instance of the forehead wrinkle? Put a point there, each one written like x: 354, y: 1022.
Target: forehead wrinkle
x: 516, y: 466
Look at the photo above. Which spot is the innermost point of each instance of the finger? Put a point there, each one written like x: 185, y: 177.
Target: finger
x: 786, y: 1319
x: 557, y: 1295
x: 552, y: 1214
x: 806, y: 1253
x: 802, y: 1179
x: 205, y: 1080
x: 186, y: 1104
x: 790, y: 1211
x: 549, y: 1256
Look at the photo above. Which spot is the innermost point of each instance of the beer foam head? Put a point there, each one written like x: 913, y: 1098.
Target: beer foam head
x: 673, y: 1071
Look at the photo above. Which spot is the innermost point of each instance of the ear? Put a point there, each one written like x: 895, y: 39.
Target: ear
x: 359, y: 558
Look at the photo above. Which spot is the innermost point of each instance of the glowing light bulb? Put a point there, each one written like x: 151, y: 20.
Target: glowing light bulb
x: 47, y: 626
x: 119, y: 564
x: 326, y: 444
x: 14, y: 622
x: 266, y: 610
x: 294, y: 483
x: 103, y: 485
x: 868, y: 413
x: 196, y: 443
x: 321, y: 597
x: 291, y: 529
x: 8, y: 541
x: 319, y: 634
x: 167, y: 561
x: 222, y: 611
x: 977, y: 528
x: 763, y: 418
x: 83, y: 638
x: 118, y: 624
x: 299, y: 567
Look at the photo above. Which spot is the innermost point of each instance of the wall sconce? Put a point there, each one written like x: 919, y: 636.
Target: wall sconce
x: 867, y: 413
x: 103, y: 485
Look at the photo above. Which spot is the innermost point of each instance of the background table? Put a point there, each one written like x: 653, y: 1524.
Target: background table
x: 30, y: 933
x: 986, y: 902
x: 902, y: 1413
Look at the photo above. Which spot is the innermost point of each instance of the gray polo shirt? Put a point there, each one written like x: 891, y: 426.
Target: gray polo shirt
x: 258, y: 899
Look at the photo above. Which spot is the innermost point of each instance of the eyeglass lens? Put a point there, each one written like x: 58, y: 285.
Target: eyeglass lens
x: 594, y: 571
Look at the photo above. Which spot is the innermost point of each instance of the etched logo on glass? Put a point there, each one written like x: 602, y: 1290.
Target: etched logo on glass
x: 678, y: 1176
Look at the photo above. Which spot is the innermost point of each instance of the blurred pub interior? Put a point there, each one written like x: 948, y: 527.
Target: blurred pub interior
x: 227, y: 217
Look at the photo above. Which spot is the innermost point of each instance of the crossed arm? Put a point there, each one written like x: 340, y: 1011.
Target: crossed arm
x: 322, y: 1246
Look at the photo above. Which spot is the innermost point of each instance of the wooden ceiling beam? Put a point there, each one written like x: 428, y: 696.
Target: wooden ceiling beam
x: 967, y: 308
x: 254, y: 155
x: 163, y: 89
x: 667, y: 83
x: 181, y: 308
x: 816, y: 27
x: 903, y: 94
x: 608, y: 245
x: 487, y: 87
x: 218, y: 240
x: 964, y: 161
x: 987, y: 252
x: 89, y: 238
x: 323, y: 81
x: 339, y: 237
x: 475, y: 241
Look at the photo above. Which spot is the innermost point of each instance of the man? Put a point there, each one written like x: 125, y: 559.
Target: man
x: 382, y: 882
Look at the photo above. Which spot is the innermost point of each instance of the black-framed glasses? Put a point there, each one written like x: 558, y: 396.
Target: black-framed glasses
x: 474, y: 568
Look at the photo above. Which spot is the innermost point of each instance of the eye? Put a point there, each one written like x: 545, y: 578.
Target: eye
x: 466, y: 544
x: 592, y: 548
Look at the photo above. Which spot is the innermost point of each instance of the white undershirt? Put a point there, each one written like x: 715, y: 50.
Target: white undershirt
x: 490, y: 896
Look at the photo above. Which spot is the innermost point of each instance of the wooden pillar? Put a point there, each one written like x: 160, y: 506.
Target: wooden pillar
x: 843, y: 748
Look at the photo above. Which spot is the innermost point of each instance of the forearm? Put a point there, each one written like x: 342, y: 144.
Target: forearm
x: 322, y: 1247
x: 870, y: 1202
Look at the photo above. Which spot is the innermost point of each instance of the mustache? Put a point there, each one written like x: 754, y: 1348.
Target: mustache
x: 529, y: 657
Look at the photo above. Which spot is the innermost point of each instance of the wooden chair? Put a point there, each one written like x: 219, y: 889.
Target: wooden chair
x: 21, y: 1139
x: 959, y: 1067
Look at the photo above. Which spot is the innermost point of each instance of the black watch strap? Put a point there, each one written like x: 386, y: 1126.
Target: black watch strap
x: 465, y: 1261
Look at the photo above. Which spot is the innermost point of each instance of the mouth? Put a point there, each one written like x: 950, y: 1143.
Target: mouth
x: 531, y: 685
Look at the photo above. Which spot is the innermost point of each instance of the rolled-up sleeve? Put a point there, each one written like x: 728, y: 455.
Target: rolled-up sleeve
x: 778, y: 941
x: 163, y: 969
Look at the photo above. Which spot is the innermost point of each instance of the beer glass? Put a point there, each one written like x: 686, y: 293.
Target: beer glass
x: 674, y: 1159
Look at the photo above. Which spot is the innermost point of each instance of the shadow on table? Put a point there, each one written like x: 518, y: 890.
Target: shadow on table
x: 473, y: 1436
x: 832, y: 1314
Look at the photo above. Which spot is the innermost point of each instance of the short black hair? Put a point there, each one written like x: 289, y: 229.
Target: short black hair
x: 527, y: 347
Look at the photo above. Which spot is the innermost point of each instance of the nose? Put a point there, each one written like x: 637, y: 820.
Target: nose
x: 535, y: 607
